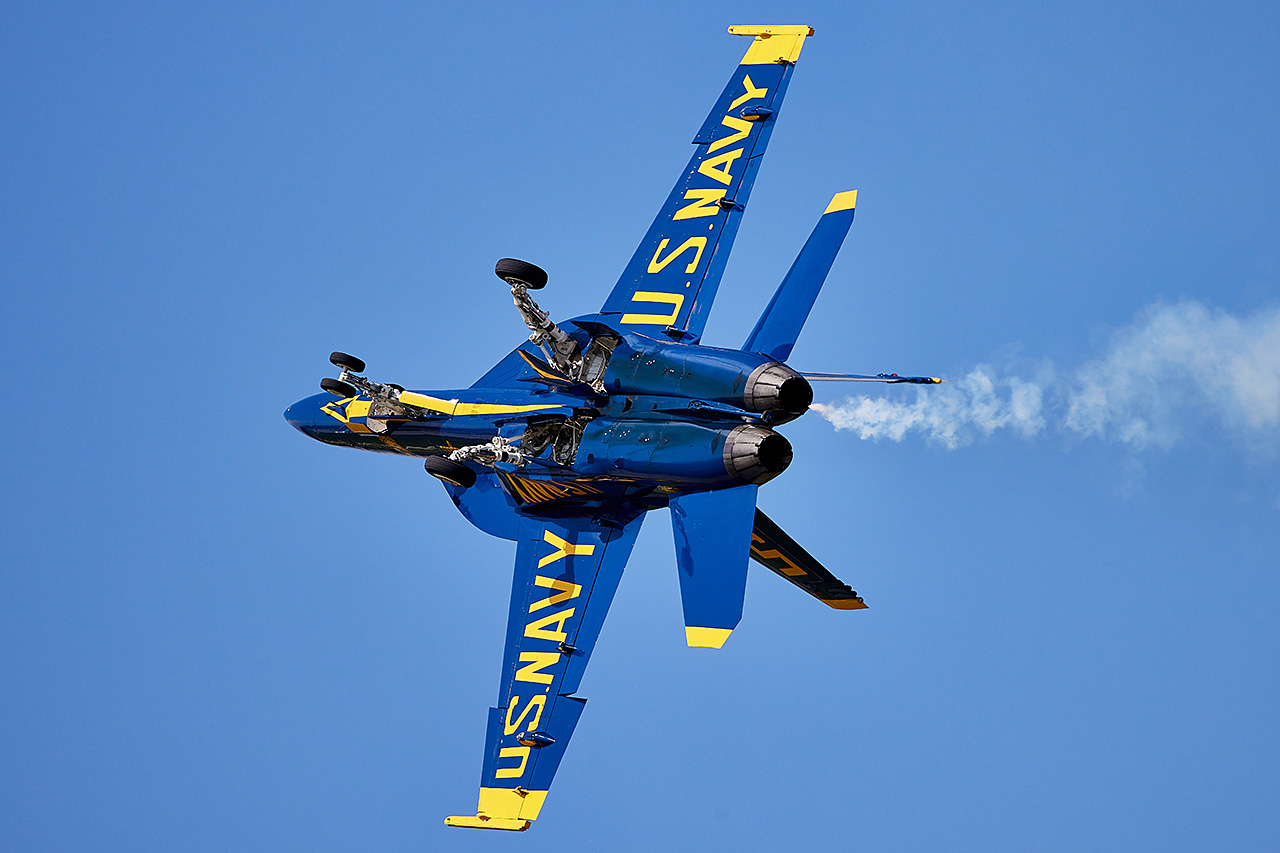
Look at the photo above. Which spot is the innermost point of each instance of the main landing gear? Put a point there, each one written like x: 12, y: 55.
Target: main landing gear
x: 452, y: 470
x: 561, y: 351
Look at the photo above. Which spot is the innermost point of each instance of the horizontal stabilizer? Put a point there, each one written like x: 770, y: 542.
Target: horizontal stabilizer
x: 779, y: 326
x: 711, y: 530
x: 772, y: 548
x: 891, y: 378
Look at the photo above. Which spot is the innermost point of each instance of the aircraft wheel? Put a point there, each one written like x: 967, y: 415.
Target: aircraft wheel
x: 346, y: 362
x: 531, y: 276
x: 337, y: 386
x: 454, y: 473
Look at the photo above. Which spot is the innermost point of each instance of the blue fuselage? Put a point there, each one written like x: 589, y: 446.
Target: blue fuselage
x: 663, y: 418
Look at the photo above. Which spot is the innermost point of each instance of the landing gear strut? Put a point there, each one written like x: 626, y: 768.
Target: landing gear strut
x: 560, y: 349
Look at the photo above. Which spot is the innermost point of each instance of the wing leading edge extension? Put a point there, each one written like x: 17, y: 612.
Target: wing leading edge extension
x: 567, y: 570
x: 671, y: 281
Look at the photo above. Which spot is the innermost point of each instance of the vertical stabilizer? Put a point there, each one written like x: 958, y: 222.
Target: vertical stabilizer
x: 713, y: 538
x: 779, y: 326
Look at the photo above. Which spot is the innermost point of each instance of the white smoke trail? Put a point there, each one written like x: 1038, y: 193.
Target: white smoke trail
x: 1177, y: 368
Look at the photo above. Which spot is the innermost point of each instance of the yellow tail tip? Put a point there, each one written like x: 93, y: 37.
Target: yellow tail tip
x: 706, y: 638
x: 842, y: 201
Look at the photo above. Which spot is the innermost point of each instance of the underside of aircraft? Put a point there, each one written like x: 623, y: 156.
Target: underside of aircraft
x: 567, y: 443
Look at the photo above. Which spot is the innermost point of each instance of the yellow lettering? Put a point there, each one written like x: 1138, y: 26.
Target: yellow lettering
x: 566, y: 589
x: 563, y: 549
x: 698, y: 243
x: 675, y: 300
x: 538, y: 629
x: 537, y: 702
x: 752, y: 92
x: 741, y: 125
x: 512, y: 752
x: 538, y: 662
x: 718, y: 167
x: 704, y: 204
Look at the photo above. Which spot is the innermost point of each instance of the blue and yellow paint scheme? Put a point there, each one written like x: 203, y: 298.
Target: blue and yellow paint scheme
x: 667, y: 422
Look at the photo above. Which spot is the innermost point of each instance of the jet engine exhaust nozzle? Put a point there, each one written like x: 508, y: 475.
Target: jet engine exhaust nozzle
x: 774, y: 387
x: 756, y: 455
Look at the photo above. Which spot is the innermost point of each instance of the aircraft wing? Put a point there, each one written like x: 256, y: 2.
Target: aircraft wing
x: 772, y: 548
x: 671, y: 281
x: 567, y: 570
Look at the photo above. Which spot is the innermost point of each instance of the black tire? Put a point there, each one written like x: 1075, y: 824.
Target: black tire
x: 347, y: 362
x: 338, y: 387
x: 531, y: 276
x: 454, y: 473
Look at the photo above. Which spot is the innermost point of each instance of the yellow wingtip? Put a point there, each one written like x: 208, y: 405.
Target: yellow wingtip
x: 772, y: 43
x: 706, y: 638
x: 483, y: 822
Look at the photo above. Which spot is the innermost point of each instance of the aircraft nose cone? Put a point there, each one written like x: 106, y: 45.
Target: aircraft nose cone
x: 304, y: 415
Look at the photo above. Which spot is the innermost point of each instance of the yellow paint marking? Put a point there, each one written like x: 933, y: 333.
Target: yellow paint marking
x: 696, y: 243
x: 704, y: 204
x: 565, y: 590
x: 509, y: 802
x: 482, y: 822
x: 497, y: 409
x: 717, y: 167
x: 512, y: 752
x: 538, y: 661
x: 528, y: 359
x: 538, y: 701
x: 752, y: 92
x: 455, y: 408
x: 773, y: 43
x: 844, y: 603
x: 706, y: 638
x: 538, y: 629
x: 842, y: 201
x: 792, y: 569
x: 563, y: 549
x: 675, y: 300
x: 741, y: 126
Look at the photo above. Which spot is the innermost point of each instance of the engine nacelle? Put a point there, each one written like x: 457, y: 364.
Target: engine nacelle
x: 682, y: 452
x: 746, y: 380
x: 756, y: 455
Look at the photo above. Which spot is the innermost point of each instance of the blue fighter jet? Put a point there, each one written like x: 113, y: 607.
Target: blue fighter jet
x: 568, y: 442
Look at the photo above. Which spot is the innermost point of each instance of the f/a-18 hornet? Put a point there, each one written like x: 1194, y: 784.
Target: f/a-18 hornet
x: 568, y: 441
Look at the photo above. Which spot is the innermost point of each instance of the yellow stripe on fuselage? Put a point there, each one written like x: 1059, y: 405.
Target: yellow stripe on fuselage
x: 455, y: 408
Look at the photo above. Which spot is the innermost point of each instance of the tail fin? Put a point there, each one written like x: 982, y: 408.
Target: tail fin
x: 776, y: 332
x: 713, y: 532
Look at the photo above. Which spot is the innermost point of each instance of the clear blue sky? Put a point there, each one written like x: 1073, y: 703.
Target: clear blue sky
x: 216, y: 634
